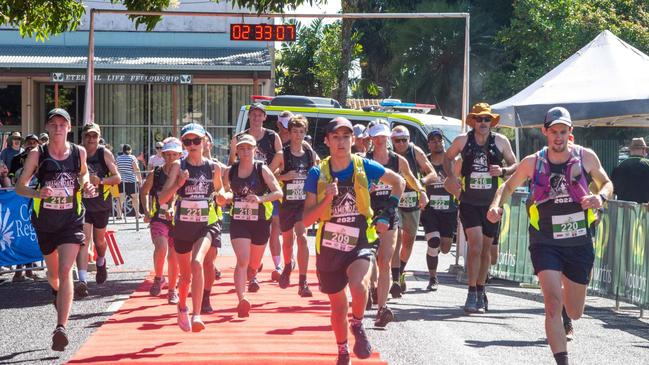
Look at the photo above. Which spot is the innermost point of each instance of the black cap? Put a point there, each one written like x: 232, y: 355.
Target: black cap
x: 60, y: 112
x: 338, y: 122
x: 32, y: 136
x: 257, y: 106
x: 435, y: 133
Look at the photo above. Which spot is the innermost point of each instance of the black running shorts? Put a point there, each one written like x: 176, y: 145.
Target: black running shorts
x: 49, y: 241
x: 574, y: 262
x: 99, y: 219
x: 213, y: 231
x: 289, y: 214
x: 257, y: 232
x: 476, y: 216
x: 332, y: 282
x: 443, y: 222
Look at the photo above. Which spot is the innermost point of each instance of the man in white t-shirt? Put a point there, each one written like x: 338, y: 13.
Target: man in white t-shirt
x: 157, y: 159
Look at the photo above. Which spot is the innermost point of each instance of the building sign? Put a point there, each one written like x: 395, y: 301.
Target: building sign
x: 121, y: 78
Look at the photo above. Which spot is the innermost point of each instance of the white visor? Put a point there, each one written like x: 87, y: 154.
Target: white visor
x: 379, y: 129
x: 400, y: 133
x: 284, y: 121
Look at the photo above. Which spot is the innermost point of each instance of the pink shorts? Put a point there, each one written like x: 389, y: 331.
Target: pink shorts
x: 159, y: 229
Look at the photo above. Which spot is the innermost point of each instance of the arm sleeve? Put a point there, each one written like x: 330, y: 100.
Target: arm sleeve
x: 311, y: 183
x: 373, y: 169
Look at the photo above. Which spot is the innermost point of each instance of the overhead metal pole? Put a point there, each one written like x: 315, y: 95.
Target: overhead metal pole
x: 90, y: 82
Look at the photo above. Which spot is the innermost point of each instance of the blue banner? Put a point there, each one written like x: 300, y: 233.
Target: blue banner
x: 18, y: 244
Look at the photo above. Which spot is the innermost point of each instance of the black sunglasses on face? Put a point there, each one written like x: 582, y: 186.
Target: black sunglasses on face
x: 483, y: 119
x: 400, y: 140
x: 196, y: 141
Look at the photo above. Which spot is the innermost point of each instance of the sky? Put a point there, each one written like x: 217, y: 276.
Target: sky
x: 331, y: 7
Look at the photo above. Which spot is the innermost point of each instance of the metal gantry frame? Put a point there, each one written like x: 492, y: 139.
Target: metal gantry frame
x: 89, y: 112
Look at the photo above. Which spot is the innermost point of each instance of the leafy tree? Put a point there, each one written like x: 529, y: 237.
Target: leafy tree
x: 42, y: 18
x: 312, y: 64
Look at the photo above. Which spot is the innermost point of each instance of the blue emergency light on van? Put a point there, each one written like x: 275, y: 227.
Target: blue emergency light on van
x: 397, y: 103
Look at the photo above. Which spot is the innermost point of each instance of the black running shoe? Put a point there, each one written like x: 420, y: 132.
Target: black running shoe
x: 343, y: 359
x: 480, y: 302
x: 432, y: 284
x: 395, y: 290
x: 102, y: 274
x: 304, y: 291
x: 206, y: 307
x: 362, y: 347
x: 471, y: 304
x: 253, y: 285
x: 59, y: 339
x: 81, y: 289
x: 285, y: 277
x: 570, y: 331
x: 383, y: 317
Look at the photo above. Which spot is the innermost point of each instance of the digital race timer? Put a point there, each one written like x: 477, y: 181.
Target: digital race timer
x: 262, y: 32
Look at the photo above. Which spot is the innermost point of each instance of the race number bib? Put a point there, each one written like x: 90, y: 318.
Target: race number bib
x: 295, y: 190
x: 568, y: 226
x: 480, y: 181
x: 245, y: 211
x: 162, y: 211
x: 408, y: 199
x: 61, y: 199
x: 194, y: 211
x: 340, y: 237
x: 440, y: 202
x: 381, y: 189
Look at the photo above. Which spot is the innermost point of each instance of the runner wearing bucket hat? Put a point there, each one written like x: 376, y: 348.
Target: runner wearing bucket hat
x: 483, y: 152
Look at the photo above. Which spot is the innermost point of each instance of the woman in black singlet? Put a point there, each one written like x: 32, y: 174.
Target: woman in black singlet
x: 251, y: 187
x: 160, y: 217
x: 196, y: 182
x: 58, y: 213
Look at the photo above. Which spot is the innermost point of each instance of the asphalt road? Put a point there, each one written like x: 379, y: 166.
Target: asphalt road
x: 430, y: 328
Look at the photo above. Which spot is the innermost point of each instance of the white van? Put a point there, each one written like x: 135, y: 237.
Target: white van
x: 319, y: 111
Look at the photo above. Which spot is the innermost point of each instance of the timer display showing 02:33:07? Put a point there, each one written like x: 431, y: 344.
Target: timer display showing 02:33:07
x: 262, y: 32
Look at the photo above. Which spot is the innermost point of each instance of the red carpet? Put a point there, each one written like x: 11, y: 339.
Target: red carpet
x: 283, y: 328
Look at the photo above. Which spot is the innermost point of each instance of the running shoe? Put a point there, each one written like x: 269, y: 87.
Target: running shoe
x: 383, y: 317
x: 243, y: 308
x: 156, y: 287
x: 253, y: 285
x: 362, y: 347
x: 183, y: 319
x: 570, y: 331
x: 102, y: 274
x: 197, y: 323
x: 304, y: 291
x: 206, y: 307
x: 217, y: 274
x: 276, y: 274
x: 471, y: 304
x: 59, y: 339
x: 81, y: 289
x: 172, y: 297
x: 343, y: 359
x: 432, y: 284
x: 395, y: 290
x: 402, y: 282
x: 285, y: 277
x: 480, y: 303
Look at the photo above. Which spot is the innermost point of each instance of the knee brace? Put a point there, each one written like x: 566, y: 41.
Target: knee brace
x: 434, y: 242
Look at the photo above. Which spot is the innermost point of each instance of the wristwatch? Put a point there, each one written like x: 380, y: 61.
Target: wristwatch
x: 603, y: 197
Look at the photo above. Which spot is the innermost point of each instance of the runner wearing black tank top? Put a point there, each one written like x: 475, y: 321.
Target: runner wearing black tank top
x: 196, y: 182
x: 295, y: 164
x: 268, y: 150
x: 103, y: 174
x: 482, y: 154
x: 160, y: 217
x: 58, y: 213
x: 251, y: 188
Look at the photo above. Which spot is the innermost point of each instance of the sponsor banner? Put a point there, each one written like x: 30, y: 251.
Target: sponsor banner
x: 621, y: 246
x: 121, y: 78
x: 18, y: 244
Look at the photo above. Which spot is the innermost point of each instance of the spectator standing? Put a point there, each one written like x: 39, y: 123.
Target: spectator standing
x: 14, y: 148
x: 630, y: 176
x: 157, y: 159
x: 130, y: 173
